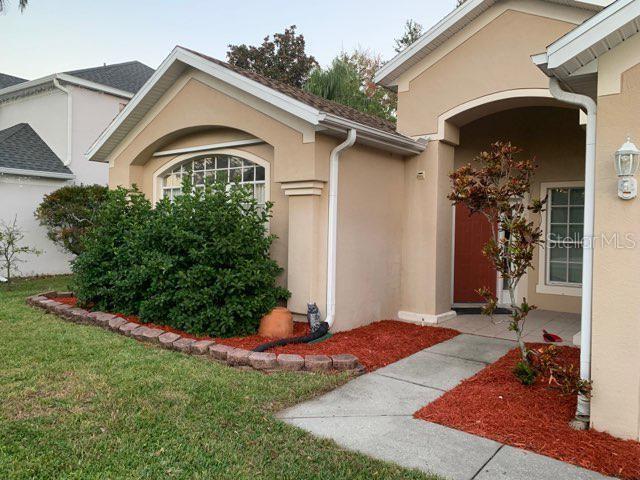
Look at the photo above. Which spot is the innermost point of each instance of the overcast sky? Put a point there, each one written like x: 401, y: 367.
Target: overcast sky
x: 58, y: 35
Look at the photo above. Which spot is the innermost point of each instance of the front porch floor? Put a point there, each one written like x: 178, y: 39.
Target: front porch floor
x: 566, y: 325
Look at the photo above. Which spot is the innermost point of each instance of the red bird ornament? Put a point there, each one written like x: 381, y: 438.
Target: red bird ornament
x: 550, y: 337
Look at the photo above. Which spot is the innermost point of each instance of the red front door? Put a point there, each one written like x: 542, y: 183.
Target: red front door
x: 471, y: 269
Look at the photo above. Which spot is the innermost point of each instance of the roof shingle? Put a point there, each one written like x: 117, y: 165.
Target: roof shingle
x: 9, y: 80
x: 22, y: 148
x: 310, y: 99
x: 128, y: 76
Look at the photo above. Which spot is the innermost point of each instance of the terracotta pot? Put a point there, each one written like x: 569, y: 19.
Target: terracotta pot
x: 277, y: 324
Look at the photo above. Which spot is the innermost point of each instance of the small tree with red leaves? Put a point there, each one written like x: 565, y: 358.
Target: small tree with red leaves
x: 499, y: 189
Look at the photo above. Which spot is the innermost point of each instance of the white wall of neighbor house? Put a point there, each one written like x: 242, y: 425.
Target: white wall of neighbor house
x: 19, y: 196
x: 92, y: 113
x: 47, y: 112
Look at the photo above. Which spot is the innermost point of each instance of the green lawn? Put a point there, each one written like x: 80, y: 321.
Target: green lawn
x: 81, y: 402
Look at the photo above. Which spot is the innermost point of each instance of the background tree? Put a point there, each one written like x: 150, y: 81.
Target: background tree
x: 367, y: 63
x: 349, y: 81
x: 412, y: 31
x: 499, y: 189
x: 69, y: 212
x: 22, y: 4
x: 11, y: 248
x: 283, y: 58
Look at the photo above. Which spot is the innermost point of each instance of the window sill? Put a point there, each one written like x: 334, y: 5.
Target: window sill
x: 559, y: 290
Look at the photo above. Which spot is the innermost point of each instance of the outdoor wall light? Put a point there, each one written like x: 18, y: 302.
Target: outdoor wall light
x: 627, y: 160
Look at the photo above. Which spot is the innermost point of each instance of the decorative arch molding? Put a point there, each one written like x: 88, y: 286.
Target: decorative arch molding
x: 158, y: 144
x: 306, y: 130
x: 167, y: 167
x: 450, y: 121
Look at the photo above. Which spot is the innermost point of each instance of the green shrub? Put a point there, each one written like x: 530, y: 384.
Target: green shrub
x: 199, y: 263
x: 69, y: 212
x: 525, y: 373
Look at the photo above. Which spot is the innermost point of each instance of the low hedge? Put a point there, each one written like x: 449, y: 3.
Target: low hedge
x: 199, y: 263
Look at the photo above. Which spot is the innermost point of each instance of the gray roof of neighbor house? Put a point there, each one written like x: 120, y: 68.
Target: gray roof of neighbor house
x: 127, y: 76
x: 23, y: 151
x: 9, y: 80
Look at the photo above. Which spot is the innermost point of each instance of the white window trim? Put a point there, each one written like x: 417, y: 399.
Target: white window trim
x: 543, y: 285
x: 167, y: 167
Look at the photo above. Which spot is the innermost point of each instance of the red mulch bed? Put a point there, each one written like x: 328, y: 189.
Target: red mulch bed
x: 493, y: 404
x: 375, y: 345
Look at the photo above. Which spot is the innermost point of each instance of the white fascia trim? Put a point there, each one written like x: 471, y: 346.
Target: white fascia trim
x: 269, y: 95
x: 67, y: 79
x: 592, y: 31
x: 406, y: 144
x: 425, y: 318
x: 80, y: 82
x: 133, y: 103
x: 26, y: 85
x: 294, y: 107
x: 36, y: 173
x: 540, y: 59
x: 429, y: 36
x: 448, y: 23
x: 213, y: 146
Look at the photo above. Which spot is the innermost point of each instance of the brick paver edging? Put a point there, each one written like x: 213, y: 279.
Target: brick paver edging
x: 235, y: 357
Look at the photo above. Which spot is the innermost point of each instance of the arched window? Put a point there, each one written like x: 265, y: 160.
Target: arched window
x: 211, y: 168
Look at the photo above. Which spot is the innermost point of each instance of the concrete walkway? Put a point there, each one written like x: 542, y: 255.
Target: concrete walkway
x: 373, y: 414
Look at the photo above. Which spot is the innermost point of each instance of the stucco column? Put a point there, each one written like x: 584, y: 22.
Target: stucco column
x: 306, y: 269
x: 426, y: 278
x: 615, y: 347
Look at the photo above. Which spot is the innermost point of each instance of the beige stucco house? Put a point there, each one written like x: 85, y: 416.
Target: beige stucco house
x: 363, y: 223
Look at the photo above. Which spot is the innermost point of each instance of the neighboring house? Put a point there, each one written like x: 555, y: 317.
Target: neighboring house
x: 46, y: 126
x: 388, y: 244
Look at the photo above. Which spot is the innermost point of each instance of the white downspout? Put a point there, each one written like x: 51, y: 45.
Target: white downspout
x: 587, y: 103
x: 332, y: 236
x: 56, y: 84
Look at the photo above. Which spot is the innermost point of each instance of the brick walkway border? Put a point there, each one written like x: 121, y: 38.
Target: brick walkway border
x: 235, y: 357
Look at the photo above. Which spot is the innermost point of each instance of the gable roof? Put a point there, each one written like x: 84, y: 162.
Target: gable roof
x: 121, y: 79
x: 581, y: 46
x: 127, y: 76
x: 9, y: 80
x: 23, y: 152
x: 319, y: 112
x: 446, y: 28
x: 308, y: 98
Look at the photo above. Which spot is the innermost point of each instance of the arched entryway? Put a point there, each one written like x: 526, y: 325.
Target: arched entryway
x: 554, y: 137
